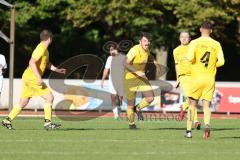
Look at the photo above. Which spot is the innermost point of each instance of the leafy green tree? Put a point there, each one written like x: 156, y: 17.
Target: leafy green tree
x: 82, y: 26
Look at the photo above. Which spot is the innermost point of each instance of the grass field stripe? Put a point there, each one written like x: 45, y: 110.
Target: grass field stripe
x: 111, y: 153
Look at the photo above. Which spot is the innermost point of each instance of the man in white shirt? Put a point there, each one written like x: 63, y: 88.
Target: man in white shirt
x: 3, y: 67
x: 112, y: 88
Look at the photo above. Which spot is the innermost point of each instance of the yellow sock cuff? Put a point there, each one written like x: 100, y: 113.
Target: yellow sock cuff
x: 195, y: 115
x: 207, y: 115
x: 190, y: 117
x: 144, y: 103
x: 185, y: 105
x: 48, y: 111
x: 47, y: 105
x: 15, y: 111
x: 130, y: 115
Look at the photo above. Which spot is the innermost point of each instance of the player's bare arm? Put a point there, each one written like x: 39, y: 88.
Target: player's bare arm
x: 33, y: 66
x: 128, y: 66
x: 55, y: 69
x: 105, y: 74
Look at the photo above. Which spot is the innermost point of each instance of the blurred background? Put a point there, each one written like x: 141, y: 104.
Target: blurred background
x: 83, y: 27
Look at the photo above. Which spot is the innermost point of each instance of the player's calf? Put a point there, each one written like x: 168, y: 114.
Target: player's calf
x: 181, y: 114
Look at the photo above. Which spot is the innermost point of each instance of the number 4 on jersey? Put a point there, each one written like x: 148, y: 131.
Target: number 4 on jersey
x: 205, y: 58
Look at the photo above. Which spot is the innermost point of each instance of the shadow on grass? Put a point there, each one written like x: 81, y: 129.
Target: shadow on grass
x: 76, y: 129
x: 229, y: 137
x: 96, y: 129
x: 212, y: 129
x: 224, y: 129
x: 177, y: 129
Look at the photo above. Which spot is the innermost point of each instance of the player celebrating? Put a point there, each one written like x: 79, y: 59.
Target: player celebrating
x: 183, y: 71
x: 206, y: 55
x: 116, y: 111
x: 136, y: 80
x: 33, y: 85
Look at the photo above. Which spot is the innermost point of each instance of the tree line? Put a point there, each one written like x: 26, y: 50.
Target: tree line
x: 83, y: 27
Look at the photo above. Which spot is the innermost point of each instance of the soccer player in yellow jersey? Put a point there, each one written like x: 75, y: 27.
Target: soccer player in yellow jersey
x: 183, y: 73
x: 33, y: 85
x: 206, y: 55
x: 136, y: 80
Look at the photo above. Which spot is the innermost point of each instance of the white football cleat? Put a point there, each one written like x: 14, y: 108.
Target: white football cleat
x: 188, y: 134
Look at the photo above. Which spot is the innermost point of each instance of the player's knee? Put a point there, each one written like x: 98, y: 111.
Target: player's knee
x: 50, y: 98
x: 150, y: 99
x: 23, y: 103
x: 130, y: 106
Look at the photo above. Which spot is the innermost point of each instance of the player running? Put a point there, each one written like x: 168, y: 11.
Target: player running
x: 206, y: 55
x: 183, y: 73
x: 136, y: 80
x: 114, y: 94
x: 33, y: 85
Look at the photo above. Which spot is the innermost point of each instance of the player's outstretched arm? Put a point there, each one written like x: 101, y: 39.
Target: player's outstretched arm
x: 55, y: 69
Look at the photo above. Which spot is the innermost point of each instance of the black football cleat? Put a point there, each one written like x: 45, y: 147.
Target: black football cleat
x: 132, y: 126
x: 51, y: 126
x: 7, y: 124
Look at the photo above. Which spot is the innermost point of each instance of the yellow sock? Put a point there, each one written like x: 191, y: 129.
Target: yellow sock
x: 130, y: 115
x: 195, y: 116
x: 207, y: 115
x: 185, y: 105
x: 144, y: 103
x: 48, y: 111
x: 15, y: 111
x: 190, y: 117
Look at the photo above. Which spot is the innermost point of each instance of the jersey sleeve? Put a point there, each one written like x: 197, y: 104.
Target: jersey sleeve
x: 38, y: 52
x: 132, y: 53
x: 220, y: 57
x: 191, y: 52
x: 108, y: 63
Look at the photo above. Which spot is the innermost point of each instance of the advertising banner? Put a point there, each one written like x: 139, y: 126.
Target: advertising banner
x: 84, y: 95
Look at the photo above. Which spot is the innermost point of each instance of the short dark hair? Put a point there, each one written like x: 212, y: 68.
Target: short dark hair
x: 45, y: 34
x: 146, y: 35
x: 207, y: 25
x: 113, y: 46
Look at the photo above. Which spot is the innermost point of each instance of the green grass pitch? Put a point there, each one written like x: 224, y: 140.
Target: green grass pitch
x: 106, y: 139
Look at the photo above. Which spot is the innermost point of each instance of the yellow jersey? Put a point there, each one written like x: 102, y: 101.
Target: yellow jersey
x: 180, y: 58
x: 139, y: 57
x: 206, y: 55
x: 41, y: 55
